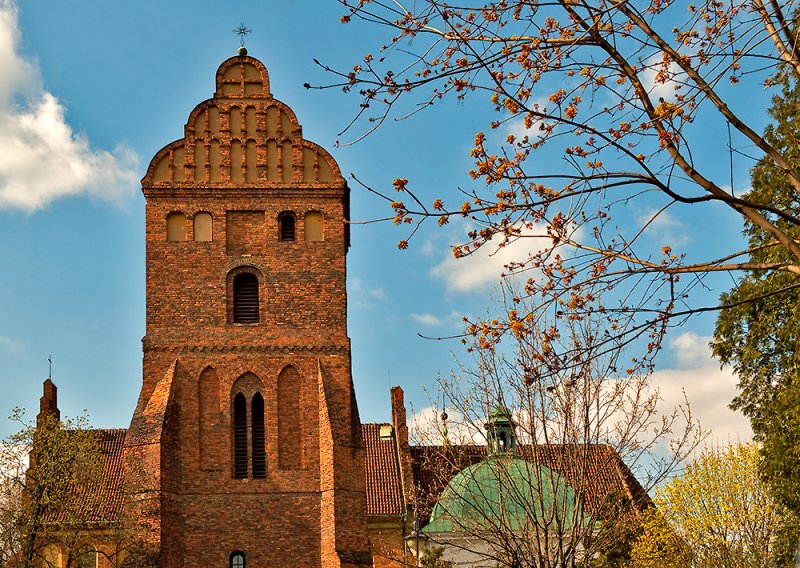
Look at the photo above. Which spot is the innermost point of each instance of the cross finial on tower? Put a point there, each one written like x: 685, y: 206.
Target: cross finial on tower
x: 50, y: 367
x: 242, y: 31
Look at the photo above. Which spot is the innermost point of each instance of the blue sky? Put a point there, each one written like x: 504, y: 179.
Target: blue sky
x: 89, y: 92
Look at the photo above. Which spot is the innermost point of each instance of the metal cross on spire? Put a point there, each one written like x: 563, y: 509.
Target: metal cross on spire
x: 242, y: 31
x: 50, y: 367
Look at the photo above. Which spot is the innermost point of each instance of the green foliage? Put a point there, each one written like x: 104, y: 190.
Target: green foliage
x: 718, y: 513
x: 757, y: 333
x: 780, y: 456
x: 752, y: 334
x: 434, y: 558
x: 42, y: 469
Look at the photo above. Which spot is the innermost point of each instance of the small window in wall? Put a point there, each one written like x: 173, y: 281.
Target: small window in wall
x: 312, y: 226
x: 245, y: 298
x: 202, y: 227
x: 286, y: 226
x: 176, y: 226
x: 237, y: 560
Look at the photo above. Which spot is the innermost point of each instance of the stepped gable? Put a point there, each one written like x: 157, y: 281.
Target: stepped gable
x: 240, y: 138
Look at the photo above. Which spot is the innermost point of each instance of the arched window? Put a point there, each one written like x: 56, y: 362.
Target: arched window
x: 202, y: 227
x: 239, y: 436
x: 312, y: 226
x: 249, y: 440
x: 257, y: 429
x: 237, y: 560
x: 176, y: 226
x: 286, y: 230
x: 245, y: 298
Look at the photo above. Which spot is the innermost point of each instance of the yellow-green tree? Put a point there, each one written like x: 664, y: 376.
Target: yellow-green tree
x: 718, y: 513
x: 42, y: 468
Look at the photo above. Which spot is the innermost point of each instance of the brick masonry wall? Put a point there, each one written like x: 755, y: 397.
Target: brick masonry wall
x: 245, y: 171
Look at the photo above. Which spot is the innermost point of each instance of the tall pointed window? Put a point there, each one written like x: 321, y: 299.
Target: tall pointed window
x: 257, y: 429
x: 248, y: 436
x: 286, y: 226
x: 240, y: 436
x: 245, y: 298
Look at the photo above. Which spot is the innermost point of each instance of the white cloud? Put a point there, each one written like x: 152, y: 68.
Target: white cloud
x: 665, y: 229
x: 696, y: 377
x: 426, y: 319
x: 486, y: 265
x: 10, y: 344
x: 426, y: 428
x: 517, y: 128
x: 708, y: 388
x: 42, y: 159
x: 432, y: 320
x: 659, y: 80
x: 365, y: 296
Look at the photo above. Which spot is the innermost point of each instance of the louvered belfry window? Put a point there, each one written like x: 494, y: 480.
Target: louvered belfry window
x: 240, y: 436
x: 257, y: 420
x: 286, y: 222
x: 245, y: 298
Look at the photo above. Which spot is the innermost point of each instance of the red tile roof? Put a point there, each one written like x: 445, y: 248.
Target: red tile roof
x: 382, y: 469
x: 600, y: 475
x: 384, y: 491
x: 102, y: 502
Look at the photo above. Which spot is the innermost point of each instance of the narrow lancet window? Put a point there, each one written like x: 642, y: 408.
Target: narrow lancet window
x: 239, y: 436
x: 257, y: 429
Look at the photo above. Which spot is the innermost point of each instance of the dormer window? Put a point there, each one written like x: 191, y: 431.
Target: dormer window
x: 286, y: 226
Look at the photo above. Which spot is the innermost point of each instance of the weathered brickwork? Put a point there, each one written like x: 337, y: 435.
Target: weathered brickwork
x: 243, y: 160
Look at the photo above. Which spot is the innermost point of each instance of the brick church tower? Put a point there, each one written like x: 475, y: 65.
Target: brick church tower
x: 245, y: 446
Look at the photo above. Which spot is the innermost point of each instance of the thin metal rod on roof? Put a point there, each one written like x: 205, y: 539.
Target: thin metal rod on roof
x: 50, y: 367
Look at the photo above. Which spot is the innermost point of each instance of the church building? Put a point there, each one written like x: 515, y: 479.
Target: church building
x: 245, y: 449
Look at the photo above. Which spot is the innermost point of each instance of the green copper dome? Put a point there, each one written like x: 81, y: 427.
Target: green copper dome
x: 504, y: 491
